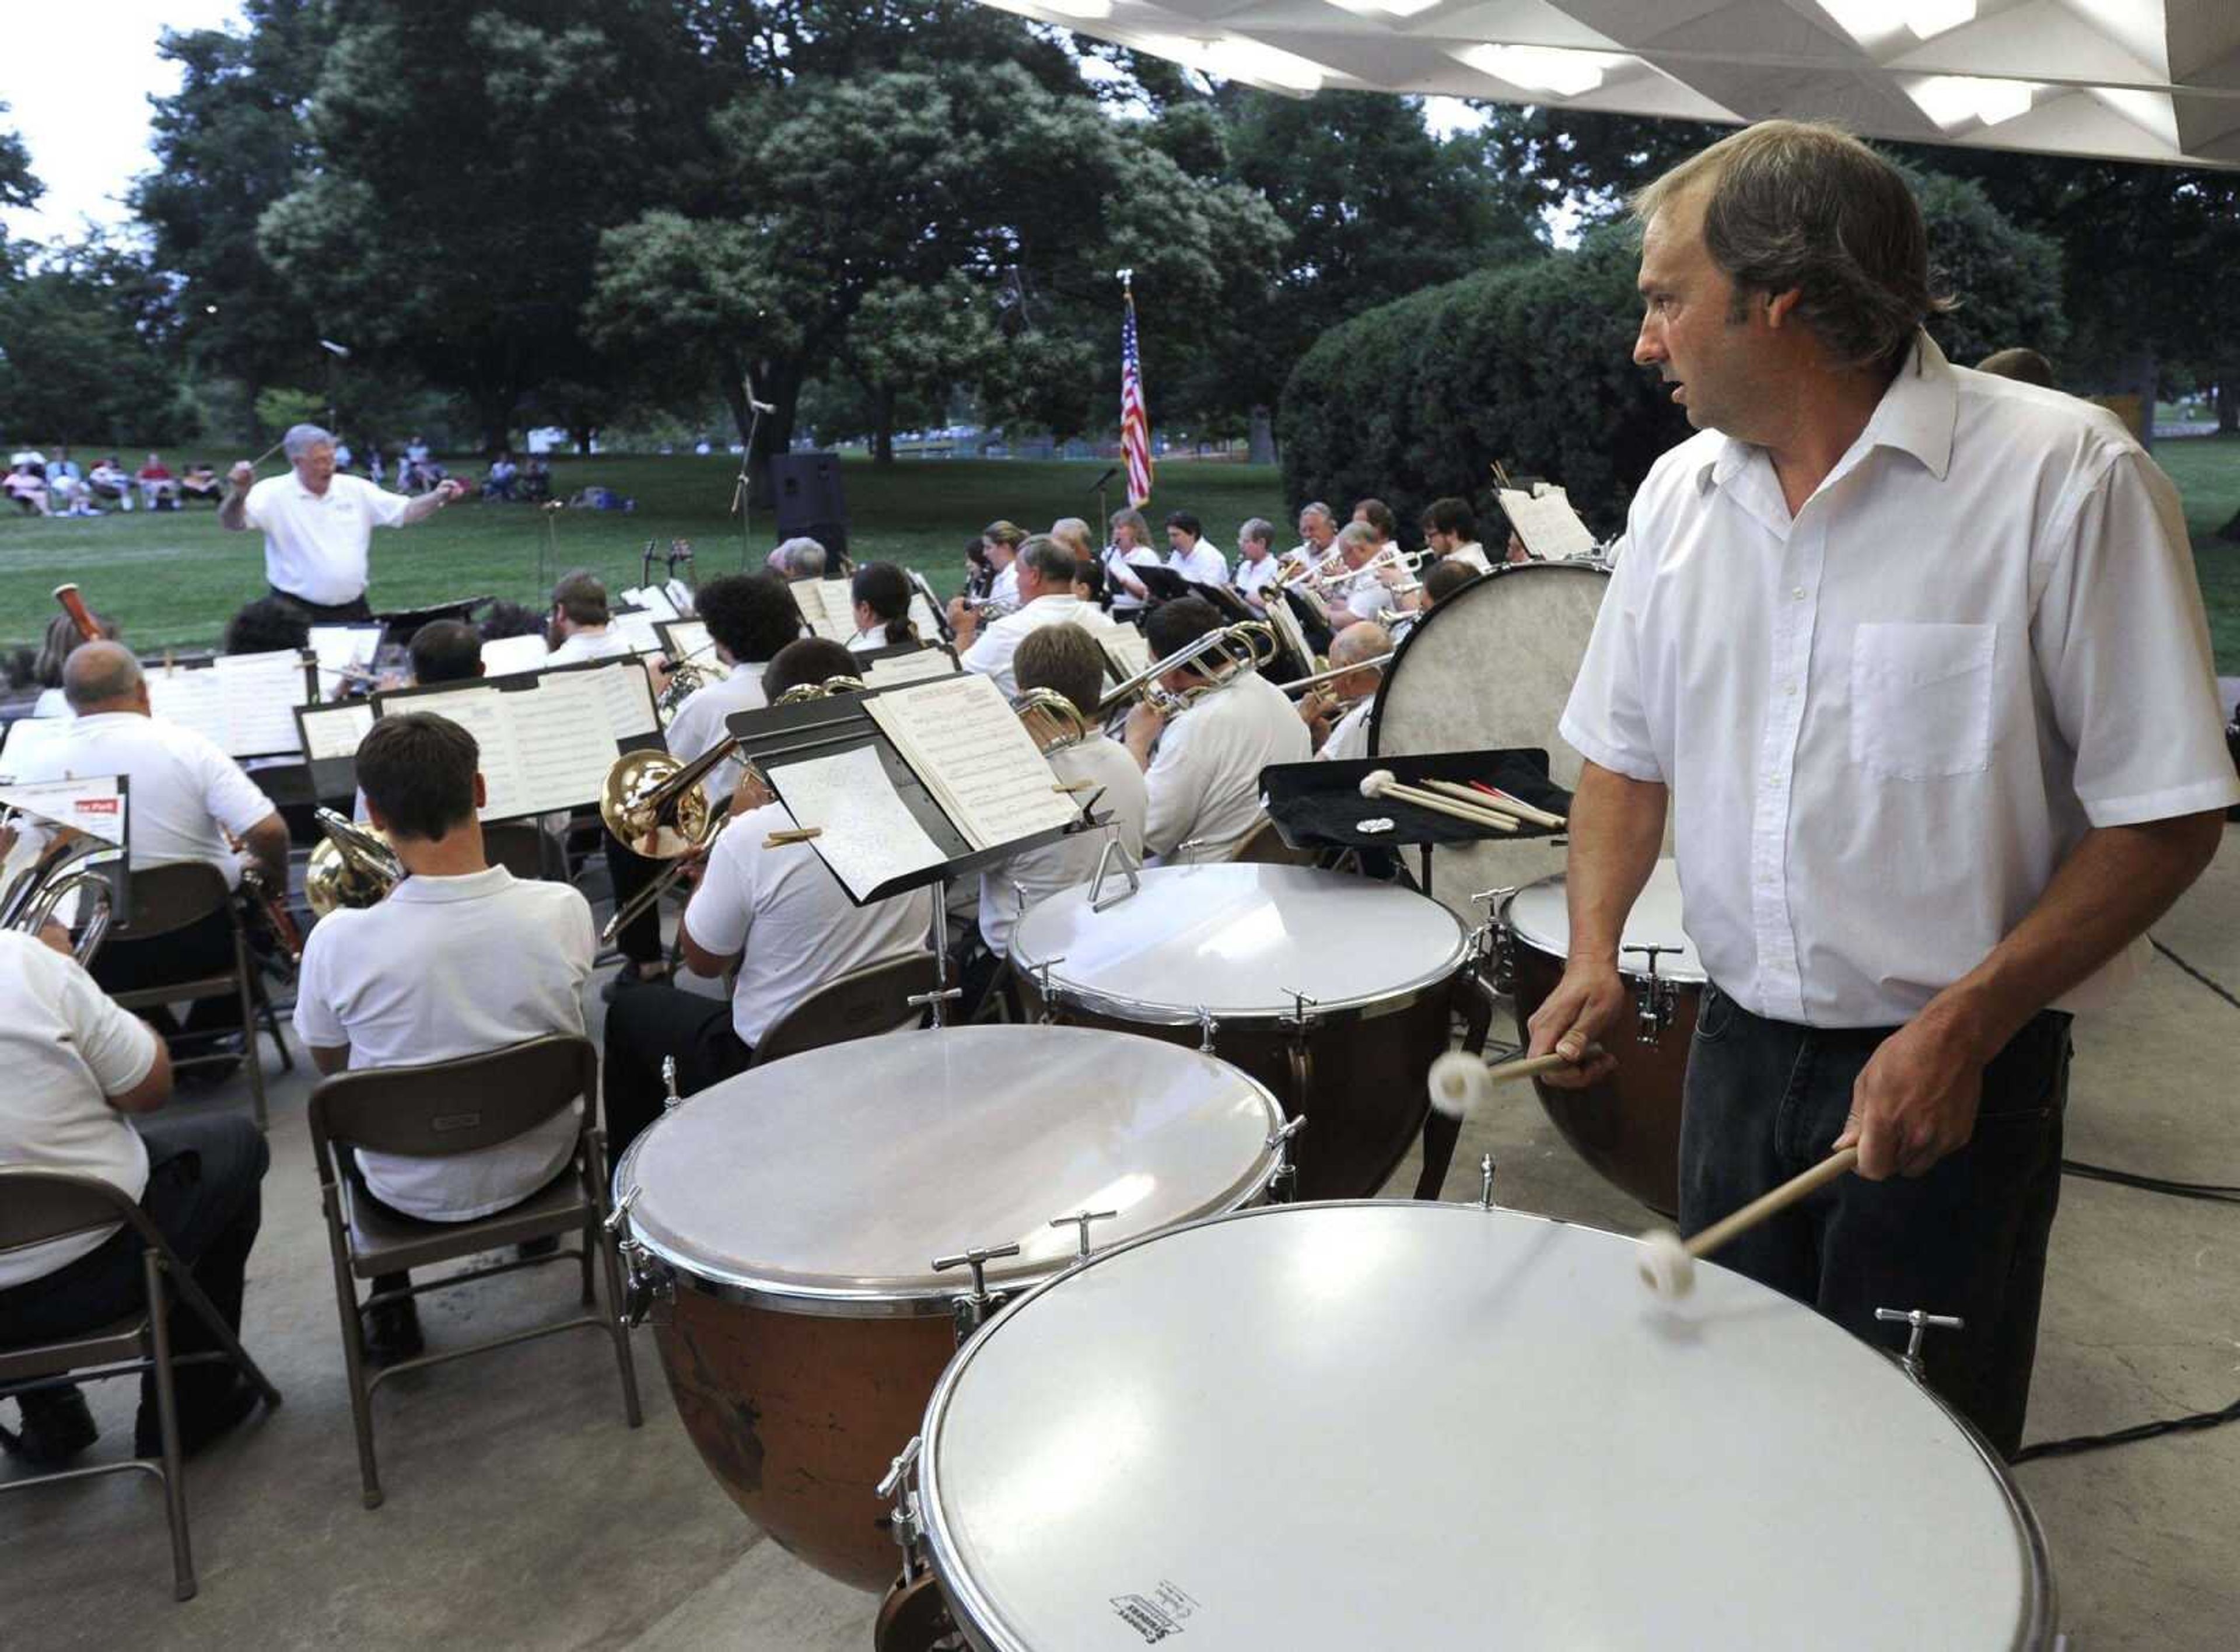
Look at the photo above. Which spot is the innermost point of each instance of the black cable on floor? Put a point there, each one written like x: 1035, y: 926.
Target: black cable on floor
x: 2207, y: 981
x: 2084, y: 1442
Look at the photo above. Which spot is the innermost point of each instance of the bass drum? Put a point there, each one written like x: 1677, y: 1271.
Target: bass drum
x: 1492, y: 667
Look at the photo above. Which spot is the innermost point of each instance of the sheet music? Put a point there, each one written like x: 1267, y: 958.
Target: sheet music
x: 922, y: 616
x: 963, y: 739
x: 95, y: 806
x: 1546, y: 522
x: 1288, y: 631
x: 342, y: 649
x: 332, y: 731
x: 481, y: 710
x: 629, y: 699
x: 866, y: 833
x: 654, y: 599
x: 637, y: 631
x: 562, y: 740
x: 507, y: 656
x: 1128, y: 646
x: 908, y: 668
x: 838, y: 596
x: 689, y: 640
x: 27, y: 735
x: 260, y: 693
x: 809, y: 598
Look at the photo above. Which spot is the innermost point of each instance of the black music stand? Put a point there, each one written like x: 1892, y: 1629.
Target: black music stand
x: 1318, y: 805
x: 398, y: 625
x: 1163, y: 583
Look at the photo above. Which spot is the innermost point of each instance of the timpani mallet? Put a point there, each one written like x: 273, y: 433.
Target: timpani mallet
x: 1460, y: 1083
x: 1668, y: 1261
x: 1381, y: 782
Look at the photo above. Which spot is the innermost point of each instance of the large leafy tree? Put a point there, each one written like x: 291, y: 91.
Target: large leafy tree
x: 84, y: 354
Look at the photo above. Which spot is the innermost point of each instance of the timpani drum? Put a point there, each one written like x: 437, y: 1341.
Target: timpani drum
x: 1628, y: 1126
x: 1491, y: 667
x: 786, y: 1221
x: 1399, y: 1425
x: 1332, y: 990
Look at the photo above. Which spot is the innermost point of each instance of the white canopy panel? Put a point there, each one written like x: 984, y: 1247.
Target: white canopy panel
x: 2132, y: 80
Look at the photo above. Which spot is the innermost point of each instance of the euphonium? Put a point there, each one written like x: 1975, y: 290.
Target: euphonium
x: 351, y: 866
x: 66, y: 866
x: 686, y: 678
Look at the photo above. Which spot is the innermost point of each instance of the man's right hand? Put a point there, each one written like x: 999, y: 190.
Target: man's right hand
x: 241, y: 475
x: 1585, y: 1009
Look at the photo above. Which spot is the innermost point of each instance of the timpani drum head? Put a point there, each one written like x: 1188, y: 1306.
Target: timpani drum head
x: 1541, y: 918
x: 1238, y: 940
x: 1491, y: 668
x: 1414, y: 1426
x: 828, y: 1180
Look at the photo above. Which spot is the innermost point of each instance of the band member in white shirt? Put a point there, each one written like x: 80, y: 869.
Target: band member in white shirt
x: 1205, y: 783
x: 1257, y: 567
x: 1066, y: 658
x: 1349, y: 699
x: 1377, y: 516
x: 1190, y: 555
x: 1044, y: 569
x: 882, y: 595
x: 1917, y: 655
x: 318, y: 524
x: 1451, y: 533
x: 1355, y: 589
x: 1002, y: 541
x: 749, y: 618
x: 1317, y: 529
x: 186, y: 798
x: 460, y: 958
x: 1130, y: 548
x: 581, y: 626
x: 79, y: 1071
x: 776, y: 915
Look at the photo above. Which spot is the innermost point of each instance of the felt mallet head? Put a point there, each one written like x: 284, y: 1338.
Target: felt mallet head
x: 1666, y: 1267
x: 1459, y: 1084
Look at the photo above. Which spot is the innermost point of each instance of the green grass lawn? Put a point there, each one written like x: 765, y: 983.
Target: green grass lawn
x: 173, y: 578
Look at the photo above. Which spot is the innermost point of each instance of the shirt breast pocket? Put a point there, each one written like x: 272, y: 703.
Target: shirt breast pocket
x: 1921, y: 699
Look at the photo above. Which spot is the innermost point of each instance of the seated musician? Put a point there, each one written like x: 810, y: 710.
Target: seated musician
x: 79, y: 1070
x: 1044, y: 572
x: 1072, y: 532
x: 1363, y: 595
x: 1001, y: 542
x: 62, y: 636
x: 1088, y: 584
x: 1205, y: 783
x: 268, y: 625
x: 749, y: 618
x: 187, y: 797
x: 1451, y: 532
x: 774, y: 914
x: 882, y: 592
x: 1318, y: 531
x: 1066, y: 658
x: 580, y: 627
x: 1349, y: 699
x: 1130, y: 548
x: 1188, y: 555
x: 460, y: 959
x: 1377, y: 518
x: 445, y: 652
x: 800, y: 557
x: 1447, y: 578
x: 1256, y: 566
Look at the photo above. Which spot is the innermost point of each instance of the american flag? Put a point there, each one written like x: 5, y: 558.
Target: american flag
x: 1135, y: 423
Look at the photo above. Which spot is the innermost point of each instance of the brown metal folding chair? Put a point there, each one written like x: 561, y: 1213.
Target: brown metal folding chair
x: 434, y: 1111
x: 860, y: 1005
x: 166, y: 899
x: 36, y: 1206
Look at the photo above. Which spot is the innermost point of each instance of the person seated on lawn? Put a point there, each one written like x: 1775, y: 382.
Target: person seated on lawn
x: 504, y: 476
x: 28, y: 489
x: 110, y: 480
x: 159, y: 488
x: 83, y: 1076
x: 460, y: 959
x: 202, y: 483
x: 537, y: 479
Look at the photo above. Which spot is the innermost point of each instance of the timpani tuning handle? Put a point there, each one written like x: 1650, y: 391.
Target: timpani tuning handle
x: 1082, y: 1219
x: 1281, y: 1179
x: 1655, y: 1003
x: 1485, y: 1182
x: 618, y: 1218
x: 670, y: 1098
x: 973, y: 1308
x: 1208, y: 1029
x: 901, y: 1518
x: 1922, y: 1324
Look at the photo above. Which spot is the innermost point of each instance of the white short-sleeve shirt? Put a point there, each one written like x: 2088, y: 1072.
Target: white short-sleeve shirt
x: 65, y: 1048
x: 1005, y: 586
x: 1886, y: 721
x: 782, y: 909
x: 1204, y: 780
x: 605, y: 643
x: 1251, y: 575
x: 448, y: 966
x: 1201, y: 565
x: 1007, y: 890
x: 991, y: 651
x: 1349, y: 736
x: 315, y: 543
x: 184, y: 788
x: 701, y: 723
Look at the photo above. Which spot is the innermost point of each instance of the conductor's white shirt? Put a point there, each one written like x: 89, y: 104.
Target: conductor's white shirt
x: 183, y: 789
x: 795, y: 926
x: 315, y: 543
x: 1009, y: 888
x: 448, y: 966
x: 1204, y: 781
x: 1201, y: 565
x: 991, y: 651
x: 66, y: 1049
x: 1886, y: 721
x: 701, y: 723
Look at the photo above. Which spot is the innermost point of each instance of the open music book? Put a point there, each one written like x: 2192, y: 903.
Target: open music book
x: 1126, y: 650
x: 637, y: 629
x: 506, y: 656
x: 881, y: 669
x: 344, y: 650
x: 688, y: 640
x: 828, y: 607
x: 656, y: 602
x: 1546, y: 522
x: 962, y: 738
x: 244, y: 704
x: 333, y: 731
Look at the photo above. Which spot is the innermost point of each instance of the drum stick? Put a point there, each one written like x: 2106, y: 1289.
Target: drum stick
x: 1517, y: 805
x: 1475, y: 797
x: 1668, y: 1262
x: 1379, y: 783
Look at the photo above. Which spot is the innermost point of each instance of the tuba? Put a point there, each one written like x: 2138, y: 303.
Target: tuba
x: 351, y: 866
x: 69, y: 864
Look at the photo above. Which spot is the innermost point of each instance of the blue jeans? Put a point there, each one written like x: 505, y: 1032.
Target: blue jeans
x: 1766, y: 1100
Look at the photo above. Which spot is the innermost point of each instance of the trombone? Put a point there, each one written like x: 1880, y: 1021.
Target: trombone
x: 1220, y: 657
x: 351, y: 866
x: 68, y: 864
x: 1377, y: 662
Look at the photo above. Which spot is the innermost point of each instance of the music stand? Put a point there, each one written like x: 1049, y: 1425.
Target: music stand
x: 398, y: 625
x: 1318, y: 804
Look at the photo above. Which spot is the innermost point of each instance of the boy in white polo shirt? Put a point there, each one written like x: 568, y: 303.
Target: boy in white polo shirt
x: 460, y: 959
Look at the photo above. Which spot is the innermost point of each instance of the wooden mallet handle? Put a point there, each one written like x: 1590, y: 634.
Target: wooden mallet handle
x: 81, y: 616
x: 1768, y: 1204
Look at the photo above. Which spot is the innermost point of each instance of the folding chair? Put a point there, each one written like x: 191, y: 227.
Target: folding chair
x: 860, y: 1005
x: 434, y: 1111
x: 1263, y: 845
x: 518, y: 846
x: 36, y: 1206
x: 166, y: 899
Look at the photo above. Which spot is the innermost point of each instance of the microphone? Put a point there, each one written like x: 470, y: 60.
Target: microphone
x: 1111, y: 471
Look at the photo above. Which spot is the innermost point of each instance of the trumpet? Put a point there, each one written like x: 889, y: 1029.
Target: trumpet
x: 66, y: 865
x: 1219, y: 656
x: 351, y: 866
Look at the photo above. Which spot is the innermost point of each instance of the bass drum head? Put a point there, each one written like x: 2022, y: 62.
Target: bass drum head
x: 1491, y: 668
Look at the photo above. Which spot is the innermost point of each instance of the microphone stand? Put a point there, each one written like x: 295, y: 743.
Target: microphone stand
x: 1103, y: 516
x: 743, y: 487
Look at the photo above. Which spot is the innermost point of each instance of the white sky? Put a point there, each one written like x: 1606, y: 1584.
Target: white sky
x: 82, y: 109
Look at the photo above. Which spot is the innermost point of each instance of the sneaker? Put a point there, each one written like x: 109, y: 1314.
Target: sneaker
x: 199, y: 1423
x: 391, y: 1331
x: 56, y: 1426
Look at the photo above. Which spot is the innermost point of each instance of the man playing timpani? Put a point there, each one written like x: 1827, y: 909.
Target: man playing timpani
x: 1920, y: 655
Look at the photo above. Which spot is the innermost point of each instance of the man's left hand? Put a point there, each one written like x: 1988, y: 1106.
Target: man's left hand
x: 1915, y: 1102
x: 451, y: 488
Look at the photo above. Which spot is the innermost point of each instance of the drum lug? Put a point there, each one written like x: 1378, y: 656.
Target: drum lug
x: 973, y: 1309
x: 1491, y: 942
x: 1208, y: 1027
x: 903, y: 1520
x: 1485, y: 1182
x: 1922, y: 1324
x: 1285, y: 1175
x: 1654, y: 1002
x: 1081, y: 1219
x: 647, y: 1283
x: 669, y: 1097
x: 1041, y: 971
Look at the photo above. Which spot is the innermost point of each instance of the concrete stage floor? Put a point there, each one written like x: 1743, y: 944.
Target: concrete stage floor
x: 521, y: 1512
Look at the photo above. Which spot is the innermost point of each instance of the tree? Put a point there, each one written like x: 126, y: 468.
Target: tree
x: 87, y: 358
x: 17, y: 187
